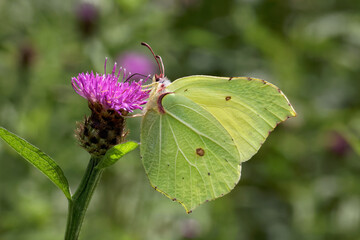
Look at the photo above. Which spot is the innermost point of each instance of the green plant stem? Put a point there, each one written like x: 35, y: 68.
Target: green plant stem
x: 81, y: 199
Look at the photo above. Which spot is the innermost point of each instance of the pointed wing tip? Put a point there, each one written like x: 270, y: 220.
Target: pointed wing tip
x: 292, y: 111
x: 291, y: 114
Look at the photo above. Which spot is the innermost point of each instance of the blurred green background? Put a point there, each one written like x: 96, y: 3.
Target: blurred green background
x: 304, y: 183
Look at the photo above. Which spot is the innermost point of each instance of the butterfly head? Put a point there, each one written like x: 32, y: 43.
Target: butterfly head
x: 160, y: 82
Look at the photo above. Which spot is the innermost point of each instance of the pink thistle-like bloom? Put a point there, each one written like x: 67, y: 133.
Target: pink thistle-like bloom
x: 106, y: 89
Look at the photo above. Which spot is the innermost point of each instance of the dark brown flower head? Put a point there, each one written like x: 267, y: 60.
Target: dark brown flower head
x: 104, y: 129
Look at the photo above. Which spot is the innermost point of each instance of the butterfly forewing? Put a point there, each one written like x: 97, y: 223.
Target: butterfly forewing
x: 249, y: 109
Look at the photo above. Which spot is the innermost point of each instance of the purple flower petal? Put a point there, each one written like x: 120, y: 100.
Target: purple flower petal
x: 106, y: 90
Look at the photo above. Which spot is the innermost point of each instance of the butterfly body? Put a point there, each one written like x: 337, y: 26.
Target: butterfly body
x: 158, y: 88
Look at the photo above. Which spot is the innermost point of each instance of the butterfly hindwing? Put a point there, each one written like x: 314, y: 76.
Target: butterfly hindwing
x: 187, y: 154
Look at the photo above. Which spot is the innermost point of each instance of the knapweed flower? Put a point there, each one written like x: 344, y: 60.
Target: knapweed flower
x: 106, y: 90
x: 109, y: 101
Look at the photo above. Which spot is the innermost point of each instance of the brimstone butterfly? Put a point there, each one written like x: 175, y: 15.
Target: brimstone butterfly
x: 198, y: 130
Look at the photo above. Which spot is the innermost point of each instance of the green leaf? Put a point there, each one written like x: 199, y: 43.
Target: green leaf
x: 37, y: 158
x: 115, y: 153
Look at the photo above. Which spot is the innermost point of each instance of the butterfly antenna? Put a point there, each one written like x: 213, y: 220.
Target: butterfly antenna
x: 129, y: 77
x: 162, y: 65
x: 156, y: 57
